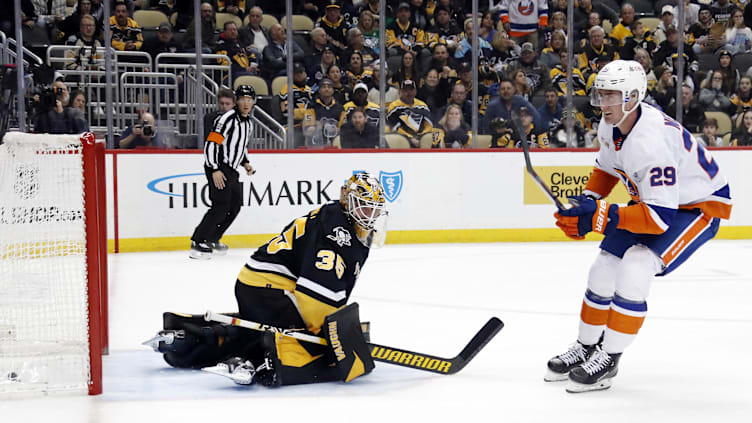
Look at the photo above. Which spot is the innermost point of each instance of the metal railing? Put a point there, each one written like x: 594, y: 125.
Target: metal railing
x: 155, y: 92
x: 4, y: 52
x: 133, y: 61
x: 83, y: 68
x: 77, y: 57
x: 267, y: 132
x: 10, y: 51
x: 11, y: 119
x: 187, y: 110
x: 178, y: 64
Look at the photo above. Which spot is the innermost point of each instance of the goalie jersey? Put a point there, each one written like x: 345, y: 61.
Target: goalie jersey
x: 316, y: 260
x: 663, y: 169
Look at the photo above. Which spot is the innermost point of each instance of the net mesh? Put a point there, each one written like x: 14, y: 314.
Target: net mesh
x: 43, y: 292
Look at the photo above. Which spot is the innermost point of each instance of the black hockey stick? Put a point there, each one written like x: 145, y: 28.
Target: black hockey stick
x: 391, y: 355
x: 529, y: 164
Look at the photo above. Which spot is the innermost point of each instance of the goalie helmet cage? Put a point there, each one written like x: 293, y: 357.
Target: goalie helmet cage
x: 53, y: 264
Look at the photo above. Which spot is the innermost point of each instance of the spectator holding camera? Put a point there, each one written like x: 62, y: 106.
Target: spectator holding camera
x: 142, y: 134
x: 55, y: 117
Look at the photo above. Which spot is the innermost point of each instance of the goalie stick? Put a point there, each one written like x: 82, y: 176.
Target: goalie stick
x: 529, y: 164
x: 384, y: 354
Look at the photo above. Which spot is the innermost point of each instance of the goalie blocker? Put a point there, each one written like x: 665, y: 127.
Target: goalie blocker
x: 190, y: 342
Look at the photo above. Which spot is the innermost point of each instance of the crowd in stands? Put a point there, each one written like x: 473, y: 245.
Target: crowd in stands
x: 522, y: 56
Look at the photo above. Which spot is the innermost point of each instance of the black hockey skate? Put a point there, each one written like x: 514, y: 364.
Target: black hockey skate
x: 595, y: 374
x: 219, y: 248
x: 201, y: 250
x: 559, y: 366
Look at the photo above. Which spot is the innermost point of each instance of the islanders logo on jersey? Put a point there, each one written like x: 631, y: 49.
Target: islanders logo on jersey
x: 526, y: 7
x: 629, y: 185
x: 392, y: 183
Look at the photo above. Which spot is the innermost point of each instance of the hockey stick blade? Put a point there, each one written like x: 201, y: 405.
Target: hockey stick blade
x: 430, y: 363
x: 529, y: 164
x: 384, y: 354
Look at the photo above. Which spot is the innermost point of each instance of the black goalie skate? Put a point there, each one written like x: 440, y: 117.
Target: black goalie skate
x: 559, y: 366
x: 595, y: 374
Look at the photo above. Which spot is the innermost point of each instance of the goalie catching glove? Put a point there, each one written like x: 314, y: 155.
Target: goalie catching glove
x: 587, y: 215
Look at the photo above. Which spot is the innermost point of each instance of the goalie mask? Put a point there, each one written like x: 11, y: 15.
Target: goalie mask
x: 364, y: 202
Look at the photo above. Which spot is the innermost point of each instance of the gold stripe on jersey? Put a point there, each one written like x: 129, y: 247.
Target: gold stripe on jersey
x: 265, y: 280
x: 313, y: 311
x: 291, y: 353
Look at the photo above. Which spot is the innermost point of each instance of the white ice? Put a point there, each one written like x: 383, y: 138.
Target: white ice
x: 690, y: 362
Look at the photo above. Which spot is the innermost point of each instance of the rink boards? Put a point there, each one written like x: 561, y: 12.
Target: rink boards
x: 155, y: 199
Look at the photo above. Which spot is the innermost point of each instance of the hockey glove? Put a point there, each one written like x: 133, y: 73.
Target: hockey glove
x: 587, y: 215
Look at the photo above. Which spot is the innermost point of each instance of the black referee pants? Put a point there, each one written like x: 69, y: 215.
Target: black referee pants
x: 226, y: 204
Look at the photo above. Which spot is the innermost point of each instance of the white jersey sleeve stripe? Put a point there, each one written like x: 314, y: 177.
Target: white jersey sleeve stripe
x: 270, y: 267
x: 336, y: 297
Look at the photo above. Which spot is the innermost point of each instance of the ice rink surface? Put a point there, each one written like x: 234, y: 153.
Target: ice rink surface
x: 690, y: 362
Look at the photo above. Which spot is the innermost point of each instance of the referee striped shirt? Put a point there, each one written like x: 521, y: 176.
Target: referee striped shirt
x: 227, y: 143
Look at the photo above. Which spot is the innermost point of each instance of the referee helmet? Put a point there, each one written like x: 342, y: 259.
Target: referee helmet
x: 245, y: 91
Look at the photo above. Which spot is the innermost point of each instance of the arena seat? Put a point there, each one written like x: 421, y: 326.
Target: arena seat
x: 707, y: 61
x: 149, y: 19
x: 726, y: 140
x: 396, y: 141
x: 650, y: 23
x: 221, y: 18
x: 268, y: 20
x: 426, y: 140
x: 258, y: 84
x: 277, y: 84
x: 484, y: 141
x: 299, y: 23
x: 742, y: 62
x: 724, y: 121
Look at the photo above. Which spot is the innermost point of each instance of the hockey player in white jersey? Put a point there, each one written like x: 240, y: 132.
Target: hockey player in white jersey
x: 679, y: 194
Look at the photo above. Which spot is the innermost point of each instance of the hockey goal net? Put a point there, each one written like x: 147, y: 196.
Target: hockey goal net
x: 53, y: 264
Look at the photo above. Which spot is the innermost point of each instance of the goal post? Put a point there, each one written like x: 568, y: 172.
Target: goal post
x: 53, y: 264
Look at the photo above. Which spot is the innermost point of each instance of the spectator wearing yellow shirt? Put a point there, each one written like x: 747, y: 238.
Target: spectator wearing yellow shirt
x: 622, y: 29
x: 126, y: 34
x: 559, y: 77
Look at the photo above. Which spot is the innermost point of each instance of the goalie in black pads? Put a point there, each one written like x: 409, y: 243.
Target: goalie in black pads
x: 300, y: 280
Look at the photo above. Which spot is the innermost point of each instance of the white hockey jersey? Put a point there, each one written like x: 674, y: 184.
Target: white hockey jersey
x: 524, y: 16
x: 664, y: 168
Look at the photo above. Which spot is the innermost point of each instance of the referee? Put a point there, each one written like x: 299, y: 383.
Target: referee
x: 225, y: 149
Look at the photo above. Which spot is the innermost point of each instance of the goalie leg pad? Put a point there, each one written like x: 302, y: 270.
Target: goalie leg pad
x: 351, y: 355
x: 291, y: 362
x: 202, y: 343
